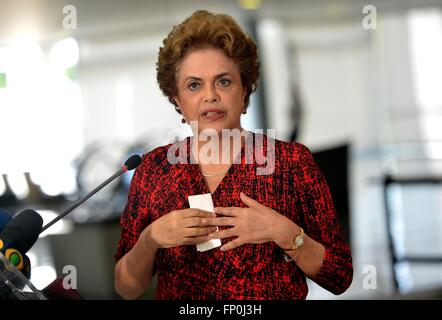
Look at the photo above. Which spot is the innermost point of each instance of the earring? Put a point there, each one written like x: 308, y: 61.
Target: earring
x: 183, y: 120
x: 244, y: 110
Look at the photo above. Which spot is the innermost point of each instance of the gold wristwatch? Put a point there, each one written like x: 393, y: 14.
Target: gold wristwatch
x: 298, y: 241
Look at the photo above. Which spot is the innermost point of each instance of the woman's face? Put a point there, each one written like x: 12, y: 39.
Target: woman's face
x: 210, y: 90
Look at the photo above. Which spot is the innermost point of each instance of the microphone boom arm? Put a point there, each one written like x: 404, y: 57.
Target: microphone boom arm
x: 80, y: 201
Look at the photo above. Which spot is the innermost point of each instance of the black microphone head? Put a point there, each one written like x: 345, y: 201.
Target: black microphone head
x: 23, y: 230
x: 132, y: 162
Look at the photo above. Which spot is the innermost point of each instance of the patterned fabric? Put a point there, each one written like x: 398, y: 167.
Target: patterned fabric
x: 296, y: 189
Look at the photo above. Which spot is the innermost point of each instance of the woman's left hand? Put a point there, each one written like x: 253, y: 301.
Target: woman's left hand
x: 255, y: 224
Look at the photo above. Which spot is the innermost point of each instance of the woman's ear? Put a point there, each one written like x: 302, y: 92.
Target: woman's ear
x: 177, y: 105
x: 176, y: 100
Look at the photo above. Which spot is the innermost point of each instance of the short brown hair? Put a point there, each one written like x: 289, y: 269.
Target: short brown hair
x: 201, y: 30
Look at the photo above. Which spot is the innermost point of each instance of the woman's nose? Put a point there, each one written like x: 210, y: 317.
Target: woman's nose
x: 210, y: 94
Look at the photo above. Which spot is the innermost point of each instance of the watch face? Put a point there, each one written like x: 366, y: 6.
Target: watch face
x: 299, y: 241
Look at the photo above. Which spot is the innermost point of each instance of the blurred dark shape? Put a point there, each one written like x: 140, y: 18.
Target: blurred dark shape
x: 397, y: 254
x: 37, y: 196
x: 8, y: 198
x: 130, y: 164
x: 26, y: 267
x: 108, y: 204
x: 56, y: 291
x: 296, y: 114
x: 334, y: 165
x: 90, y: 248
x: 5, y: 217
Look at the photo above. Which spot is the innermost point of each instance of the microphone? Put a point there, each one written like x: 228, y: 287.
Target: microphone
x: 4, y: 218
x: 18, y: 236
x: 130, y: 164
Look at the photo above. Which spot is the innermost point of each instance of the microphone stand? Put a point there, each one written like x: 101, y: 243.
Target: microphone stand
x: 80, y: 201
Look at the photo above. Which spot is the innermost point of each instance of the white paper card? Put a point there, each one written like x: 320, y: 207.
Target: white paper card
x: 204, y: 202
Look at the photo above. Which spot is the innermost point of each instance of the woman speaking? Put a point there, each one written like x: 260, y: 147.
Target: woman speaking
x: 276, y: 225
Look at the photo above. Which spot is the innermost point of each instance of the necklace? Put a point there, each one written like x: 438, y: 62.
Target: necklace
x: 214, y: 174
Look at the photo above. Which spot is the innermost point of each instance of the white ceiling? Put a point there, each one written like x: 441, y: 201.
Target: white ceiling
x: 129, y: 17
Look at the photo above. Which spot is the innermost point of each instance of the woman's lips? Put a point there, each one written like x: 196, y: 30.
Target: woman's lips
x: 213, y: 115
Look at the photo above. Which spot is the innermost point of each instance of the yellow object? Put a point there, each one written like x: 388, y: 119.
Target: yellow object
x: 15, y: 258
x: 250, y: 4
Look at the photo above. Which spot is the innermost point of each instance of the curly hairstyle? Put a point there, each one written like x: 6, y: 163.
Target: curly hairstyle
x: 203, y: 30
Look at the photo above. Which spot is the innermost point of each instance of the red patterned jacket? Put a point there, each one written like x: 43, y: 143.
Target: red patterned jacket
x: 296, y: 189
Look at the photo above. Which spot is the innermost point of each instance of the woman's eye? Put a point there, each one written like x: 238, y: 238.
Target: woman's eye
x: 193, y: 86
x: 224, y: 82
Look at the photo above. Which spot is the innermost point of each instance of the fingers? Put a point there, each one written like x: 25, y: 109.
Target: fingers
x: 227, y: 233
x: 195, y: 240
x: 249, y: 201
x: 195, y: 222
x: 232, y: 244
x: 204, y: 222
x: 227, y: 211
x: 223, y: 221
x: 191, y: 213
x: 196, y: 232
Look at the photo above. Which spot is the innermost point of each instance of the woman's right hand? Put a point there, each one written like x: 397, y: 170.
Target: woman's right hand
x: 179, y: 227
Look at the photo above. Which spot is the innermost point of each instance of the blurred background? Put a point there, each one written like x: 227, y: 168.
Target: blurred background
x: 358, y: 82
